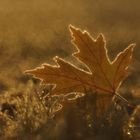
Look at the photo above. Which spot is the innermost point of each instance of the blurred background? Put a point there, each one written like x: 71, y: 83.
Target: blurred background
x: 32, y: 32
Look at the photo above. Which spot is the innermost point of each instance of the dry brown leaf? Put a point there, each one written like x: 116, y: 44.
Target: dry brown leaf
x: 103, y: 76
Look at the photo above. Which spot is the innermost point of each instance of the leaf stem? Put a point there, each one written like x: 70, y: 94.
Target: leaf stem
x: 125, y: 100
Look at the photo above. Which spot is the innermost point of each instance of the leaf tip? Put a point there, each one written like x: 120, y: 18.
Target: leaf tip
x: 71, y: 27
x: 29, y: 72
x: 132, y: 46
x: 101, y: 37
x: 56, y: 58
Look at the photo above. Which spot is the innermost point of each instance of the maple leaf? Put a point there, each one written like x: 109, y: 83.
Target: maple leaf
x: 103, y: 76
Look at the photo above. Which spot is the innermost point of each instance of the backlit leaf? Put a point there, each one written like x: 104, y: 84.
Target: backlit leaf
x: 103, y: 76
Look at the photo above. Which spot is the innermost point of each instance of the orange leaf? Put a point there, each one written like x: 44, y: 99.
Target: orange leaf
x: 103, y: 76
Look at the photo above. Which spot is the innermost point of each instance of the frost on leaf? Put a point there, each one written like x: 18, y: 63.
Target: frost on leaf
x: 104, y: 76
